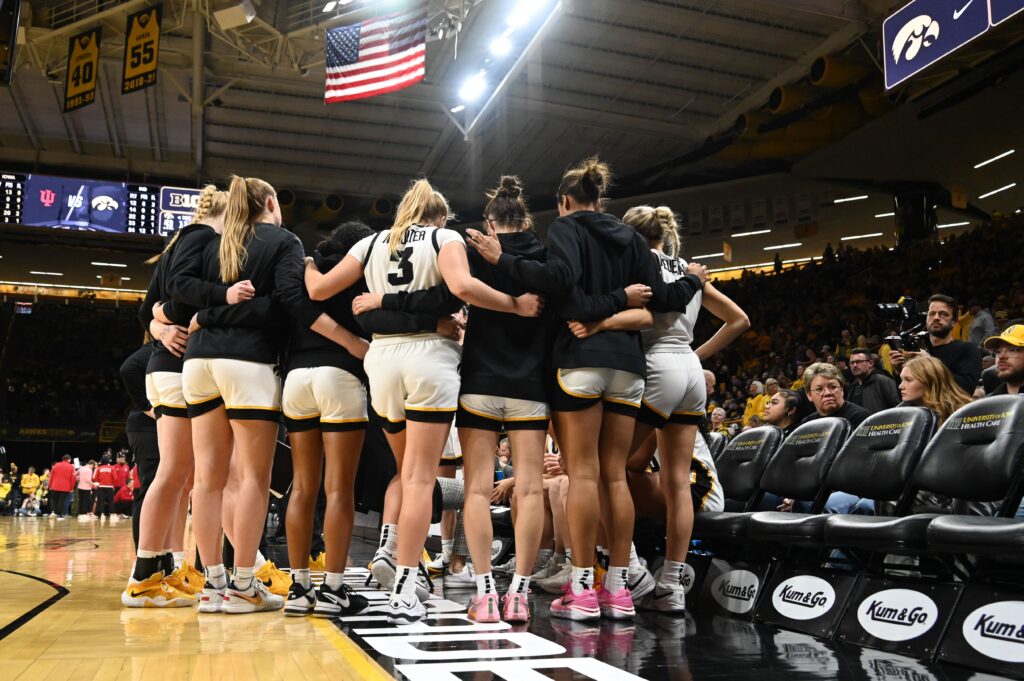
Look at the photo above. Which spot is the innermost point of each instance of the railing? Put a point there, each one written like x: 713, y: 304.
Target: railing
x: 75, y: 10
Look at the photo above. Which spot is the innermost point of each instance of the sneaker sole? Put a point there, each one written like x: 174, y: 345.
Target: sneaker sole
x: 617, y: 613
x: 577, y: 614
x: 297, y: 610
x: 235, y: 609
x: 384, y: 575
x: 147, y: 602
x: 210, y: 607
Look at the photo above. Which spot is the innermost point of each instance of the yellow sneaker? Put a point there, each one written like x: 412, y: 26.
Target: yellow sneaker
x: 599, y: 573
x: 155, y: 592
x: 194, y: 577
x: 320, y: 564
x: 177, y: 580
x: 277, y: 581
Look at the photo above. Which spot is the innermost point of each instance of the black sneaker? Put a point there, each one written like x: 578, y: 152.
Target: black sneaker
x: 340, y: 602
x: 300, y: 600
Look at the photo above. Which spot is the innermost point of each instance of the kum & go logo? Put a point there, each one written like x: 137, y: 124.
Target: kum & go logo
x: 803, y: 597
x: 897, y: 614
x: 736, y: 590
x: 996, y: 630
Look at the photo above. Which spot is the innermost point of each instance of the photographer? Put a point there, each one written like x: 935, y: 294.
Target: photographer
x: 962, y: 359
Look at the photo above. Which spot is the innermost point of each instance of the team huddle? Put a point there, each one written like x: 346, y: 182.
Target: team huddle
x: 590, y: 334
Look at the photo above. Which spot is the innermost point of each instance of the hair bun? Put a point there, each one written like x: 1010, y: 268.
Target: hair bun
x: 510, y: 186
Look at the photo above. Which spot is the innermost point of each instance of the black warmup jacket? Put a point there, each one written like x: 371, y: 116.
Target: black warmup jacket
x: 133, y: 374
x: 590, y: 254
x: 307, y: 348
x: 255, y: 330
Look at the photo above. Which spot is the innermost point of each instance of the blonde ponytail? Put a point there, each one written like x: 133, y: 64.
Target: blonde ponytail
x: 246, y: 199
x: 422, y: 204
x: 211, y: 204
x: 657, y: 225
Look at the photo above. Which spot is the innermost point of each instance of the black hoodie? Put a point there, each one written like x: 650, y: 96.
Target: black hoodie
x: 589, y: 254
x: 307, y: 348
x: 275, y: 264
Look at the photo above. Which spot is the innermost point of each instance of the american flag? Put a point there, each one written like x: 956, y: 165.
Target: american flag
x: 375, y: 56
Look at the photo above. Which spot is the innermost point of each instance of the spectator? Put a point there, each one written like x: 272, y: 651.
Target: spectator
x: 781, y: 410
x: 983, y: 324
x: 5, y: 495
x: 755, y: 402
x: 926, y: 382
x: 718, y: 422
x: 963, y: 359
x: 846, y: 345
x: 29, y: 482
x: 85, y: 486
x: 62, y: 483
x: 824, y: 387
x: 1009, y: 349
x: 870, y: 388
x: 30, y: 506
x: 103, y: 481
x: 503, y: 459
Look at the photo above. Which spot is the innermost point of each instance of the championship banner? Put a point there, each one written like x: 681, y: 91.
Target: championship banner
x: 141, y: 47
x: 83, y: 69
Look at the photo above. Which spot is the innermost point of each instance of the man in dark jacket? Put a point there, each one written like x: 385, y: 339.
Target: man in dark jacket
x: 870, y: 388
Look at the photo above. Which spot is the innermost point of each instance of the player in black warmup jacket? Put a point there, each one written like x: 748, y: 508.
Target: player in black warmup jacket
x: 599, y: 379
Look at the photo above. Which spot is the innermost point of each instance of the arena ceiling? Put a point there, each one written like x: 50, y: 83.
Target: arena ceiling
x: 654, y: 86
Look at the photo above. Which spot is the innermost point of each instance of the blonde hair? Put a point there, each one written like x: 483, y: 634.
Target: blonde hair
x: 587, y: 182
x: 422, y: 204
x: 247, y: 199
x: 211, y: 204
x: 941, y: 392
x: 657, y: 225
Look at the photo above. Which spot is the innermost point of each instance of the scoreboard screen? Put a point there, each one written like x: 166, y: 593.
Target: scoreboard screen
x: 46, y: 201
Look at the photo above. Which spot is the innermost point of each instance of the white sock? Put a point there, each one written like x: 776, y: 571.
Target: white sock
x: 446, y: 547
x: 615, y: 579
x: 604, y: 556
x: 179, y: 559
x: 243, y: 577
x: 485, y: 584
x: 634, y: 560
x: 216, y: 576
x: 671, y: 574
x: 568, y: 554
x: 302, y: 577
x: 581, y: 579
x: 405, y: 581
x: 389, y: 539
x: 334, y: 580
x: 520, y: 585
x: 260, y: 560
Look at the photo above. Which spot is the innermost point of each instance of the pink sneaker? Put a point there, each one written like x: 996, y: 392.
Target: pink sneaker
x: 617, y: 606
x: 516, y: 608
x: 580, y: 607
x: 484, y: 609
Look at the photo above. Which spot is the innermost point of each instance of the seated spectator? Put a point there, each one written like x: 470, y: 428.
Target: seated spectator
x: 926, y: 382
x: 5, y: 495
x: 983, y: 324
x: 718, y: 422
x: 781, y: 410
x: 30, y: 506
x: 124, y: 498
x: 823, y: 384
x: 962, y: 359
x: 1009, y: 350
x: 870, y: 388
x: 755, y: 403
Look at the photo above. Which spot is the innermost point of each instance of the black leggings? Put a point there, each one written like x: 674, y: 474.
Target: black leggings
x: 58, y: 502
x: 84, y: 501
x: 104, y: 500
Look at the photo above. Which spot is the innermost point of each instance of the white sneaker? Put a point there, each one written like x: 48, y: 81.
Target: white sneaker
x: 405, y: 611
x: 461, y: 580
x: 665, y: 599
x: 439, y: 564
x: 254, y: 599
x: 556, y: 582
x: 549, y: 569
x: 508, y: 568
x: 211, y: 599
x: 640, y: 582
x: 382, y: 567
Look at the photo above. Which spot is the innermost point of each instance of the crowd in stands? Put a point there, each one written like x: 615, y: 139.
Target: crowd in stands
x: 59, y: 364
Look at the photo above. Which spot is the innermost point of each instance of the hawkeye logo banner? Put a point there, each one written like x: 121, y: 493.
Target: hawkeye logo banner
x: 83, y: 70
x: 141, y: 48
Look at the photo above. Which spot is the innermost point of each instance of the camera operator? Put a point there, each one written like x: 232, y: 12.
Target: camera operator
x: 962, y: 359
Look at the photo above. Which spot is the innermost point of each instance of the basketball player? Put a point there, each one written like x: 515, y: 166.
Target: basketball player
x: 414, y: 378
x: 324, y: 404
x: 600, y: 379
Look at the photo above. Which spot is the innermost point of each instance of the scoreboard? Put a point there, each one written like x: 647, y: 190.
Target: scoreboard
x: 47, y: 201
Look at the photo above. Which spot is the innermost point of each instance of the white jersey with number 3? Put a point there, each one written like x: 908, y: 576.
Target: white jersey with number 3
x: 413, y: 268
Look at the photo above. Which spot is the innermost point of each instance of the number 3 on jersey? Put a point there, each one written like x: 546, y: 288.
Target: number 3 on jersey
x: 404, y: 274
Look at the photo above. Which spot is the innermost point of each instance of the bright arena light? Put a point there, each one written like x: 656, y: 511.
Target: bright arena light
x: 501, y: 46
x: 473, y: 87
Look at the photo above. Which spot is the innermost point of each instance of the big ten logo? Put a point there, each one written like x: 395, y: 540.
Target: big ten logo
x: 803, y: 597
x: 897, y: 614
x: 996, y: 630
x: 183, y: 200
x: 576, y: 668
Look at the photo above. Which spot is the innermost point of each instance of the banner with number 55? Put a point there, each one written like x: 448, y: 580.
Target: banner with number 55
x: 141, y: 48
